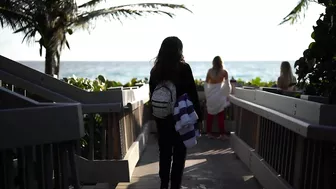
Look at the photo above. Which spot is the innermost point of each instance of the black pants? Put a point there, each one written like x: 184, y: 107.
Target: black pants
x: 170, y: 145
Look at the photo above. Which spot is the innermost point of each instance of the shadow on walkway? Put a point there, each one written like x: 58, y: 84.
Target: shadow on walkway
x: 210, y: 165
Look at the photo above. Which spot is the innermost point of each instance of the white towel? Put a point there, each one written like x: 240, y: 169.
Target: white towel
x: 217, y: 96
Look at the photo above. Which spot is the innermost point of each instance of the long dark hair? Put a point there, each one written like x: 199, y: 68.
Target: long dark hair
x: 168, y: 59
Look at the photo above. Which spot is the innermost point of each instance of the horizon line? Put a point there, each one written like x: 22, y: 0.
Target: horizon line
x: 153, y: 61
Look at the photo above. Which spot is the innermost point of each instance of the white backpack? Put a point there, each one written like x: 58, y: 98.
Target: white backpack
x: 163, y: 99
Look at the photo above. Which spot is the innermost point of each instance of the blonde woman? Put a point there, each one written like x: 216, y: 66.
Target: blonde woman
x: 216, y: 84
x: 286, y: 80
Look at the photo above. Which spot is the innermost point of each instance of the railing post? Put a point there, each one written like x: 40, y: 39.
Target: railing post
x: 257, y: 135
x: 298, y: 161
x: 72, y: 163
x: 114, y: 144
x: 47, y: 166
x: 327, y: 165
x: 29, y: 167
x: 116, y: 137
x: 91, y: 136
x: 57, y: 165
x: 63, y: 153
x: 110, y: 126
x: 239, y: 124
x: 103, y: 135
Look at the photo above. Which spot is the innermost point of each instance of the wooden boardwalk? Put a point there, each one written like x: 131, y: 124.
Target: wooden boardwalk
x: 210, y: 165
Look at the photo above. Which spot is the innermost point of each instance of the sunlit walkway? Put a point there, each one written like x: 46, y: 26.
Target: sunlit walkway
x: 210, y: 165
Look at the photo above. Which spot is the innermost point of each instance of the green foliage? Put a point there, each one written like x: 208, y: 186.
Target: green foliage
x: 100, y: 83
x: 199, y: 84
x: 316, y: 70
x: 256, y: 82
x: 136, y: 82
x: 97, y: 125
x: 96, y: 85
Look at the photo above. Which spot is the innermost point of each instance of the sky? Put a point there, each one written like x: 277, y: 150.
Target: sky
x: 241, y: 30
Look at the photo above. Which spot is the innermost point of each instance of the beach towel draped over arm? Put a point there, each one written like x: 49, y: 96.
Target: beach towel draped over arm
x: 186, y: 119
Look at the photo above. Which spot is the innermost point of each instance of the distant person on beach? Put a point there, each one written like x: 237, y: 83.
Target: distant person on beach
x: 217, y: 88
x: 170, y: 66
x: 286, y: 80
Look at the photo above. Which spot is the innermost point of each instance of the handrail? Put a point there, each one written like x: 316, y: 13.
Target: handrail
x: 53, y: 84
x: 308, y: 130
x: 312, y: 112
x: 102, y: 108
x: 11, y: 99
x: 40, y: 125
x: 42, y: 91
x: 59, y: 91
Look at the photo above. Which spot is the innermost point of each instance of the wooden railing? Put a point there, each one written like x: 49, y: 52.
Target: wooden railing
x: 104, y: 111
x: 113, y: 119
x: 274, y: 138
x: 37, y: 143
x: 110, y: 128
x: 110, y: 134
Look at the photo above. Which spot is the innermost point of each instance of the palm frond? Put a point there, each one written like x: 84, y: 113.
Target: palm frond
x: 153, y: 6
x: 129, y: 10
x: 12, y: 18
x: 18, y: 21
x: 29, y: 34
x: 297, y: 12
x: 91, y: 3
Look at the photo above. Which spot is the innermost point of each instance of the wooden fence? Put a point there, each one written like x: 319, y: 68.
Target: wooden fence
x: 287, y: 142
x: 37, y: 143
x: 112, y: 119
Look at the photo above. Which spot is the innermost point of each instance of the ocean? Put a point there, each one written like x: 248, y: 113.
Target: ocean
x: 124, y: 71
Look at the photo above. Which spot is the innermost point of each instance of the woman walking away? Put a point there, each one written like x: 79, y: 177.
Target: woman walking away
x: 171, y: 75
x: 217, y: 88
x: 286, y: 80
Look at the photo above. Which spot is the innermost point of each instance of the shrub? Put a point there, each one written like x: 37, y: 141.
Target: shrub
x: 96, y: 85
x: 100, y: 83
x: 256, y: 82
x: 317, y: 68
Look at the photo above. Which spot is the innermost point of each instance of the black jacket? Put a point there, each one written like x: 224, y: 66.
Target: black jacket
x: 184, y: 83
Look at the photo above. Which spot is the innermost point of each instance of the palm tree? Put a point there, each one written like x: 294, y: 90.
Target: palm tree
x: 53, y: 20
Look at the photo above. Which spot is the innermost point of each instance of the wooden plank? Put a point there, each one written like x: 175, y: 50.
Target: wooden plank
x: 29, y: 168
x: 91, y: 136
x: 116, y: 136
x: 47, y: 166
x: 103, y: 135
x: 64, y: 166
